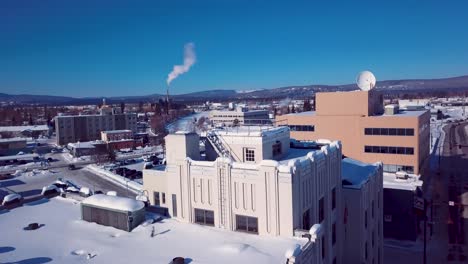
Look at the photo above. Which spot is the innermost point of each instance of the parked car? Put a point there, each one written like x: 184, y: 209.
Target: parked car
x: 71, y: 167
x: 60, y: 184
x: 85, y: 192
x: 53, y: 151
x: 50, y: 190
x: 148, y: 165
x: 98, y: 192
x: 50, y: 159
x: 12, y: 199
x: 72, y: 189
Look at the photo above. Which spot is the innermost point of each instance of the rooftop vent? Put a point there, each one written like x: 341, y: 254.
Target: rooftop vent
x: 391, y: 109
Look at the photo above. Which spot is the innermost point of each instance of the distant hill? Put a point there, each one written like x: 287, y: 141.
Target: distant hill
x: 388, y: 87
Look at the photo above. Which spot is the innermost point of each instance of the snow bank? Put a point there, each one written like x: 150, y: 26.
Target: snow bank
x: 113, y: 202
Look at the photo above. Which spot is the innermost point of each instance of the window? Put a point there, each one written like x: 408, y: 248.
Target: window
x: 157, y: 202
x: 174, y: 205
x: 365, y: 219
x: 334, y: 198
x: 321, y: 209
x: 373, y: 238
x: 389, y: 150
x: 303, y: 128
x: 247, y: 224
x: 276, y: 148
x: 372, y: 209
x: 164, y: 198
x: 323, y: 247
x: 334, y: 233
x: 365, y: 251
x: 389, y: 131
x: 306, y: 220
x: 204, y: 217
x: 249, y: 154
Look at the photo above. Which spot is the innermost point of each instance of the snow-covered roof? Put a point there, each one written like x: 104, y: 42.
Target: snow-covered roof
x: 88, y: 144
x: 355, y: 173
x: 15, y: 139
x: 171, y: 239
x: 306, y: 113
x: 406, y: 113
x: 23, y: 128
x: 390, y: 181
x: 117, y: 131
x: 19, y: 157
x: 114, y: 202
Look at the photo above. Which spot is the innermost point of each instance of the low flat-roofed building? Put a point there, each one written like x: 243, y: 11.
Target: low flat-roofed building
x: 9, y: 145
x: 26, y: 131
x: 400, y: 139
x: 401, y: 218
x: 363, y: 211
x: 241, y: 116
x: 114, y: 135
x: 258, y: 184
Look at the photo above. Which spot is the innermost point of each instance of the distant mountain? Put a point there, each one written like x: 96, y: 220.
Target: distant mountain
x: 389, y: 87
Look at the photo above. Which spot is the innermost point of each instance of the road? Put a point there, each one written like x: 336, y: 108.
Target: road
x: 449, y: 183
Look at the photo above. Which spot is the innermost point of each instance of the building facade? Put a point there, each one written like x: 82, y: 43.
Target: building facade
x: 363, y: 211
x: 114, y: 135
x: 274, y: 190
x: 241, y: 116
x: 400, y: 139
x: 89, y: 127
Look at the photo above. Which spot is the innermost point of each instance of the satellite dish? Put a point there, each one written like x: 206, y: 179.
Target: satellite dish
x: 366, y: 80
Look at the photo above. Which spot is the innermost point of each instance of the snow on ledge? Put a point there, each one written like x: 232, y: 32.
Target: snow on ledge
x: 113, y: 202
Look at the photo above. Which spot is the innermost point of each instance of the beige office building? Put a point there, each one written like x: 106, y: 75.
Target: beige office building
x: 241, y: 116
x: 368, y: 131
x: 254, y: 181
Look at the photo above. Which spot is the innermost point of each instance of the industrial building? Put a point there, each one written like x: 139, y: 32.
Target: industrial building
x: 241, y: 116
x: 368, y: 131
x: 254, y: 180
x: 89, y: 127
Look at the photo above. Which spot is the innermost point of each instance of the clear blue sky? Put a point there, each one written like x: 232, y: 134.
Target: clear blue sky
x: 111, y: 48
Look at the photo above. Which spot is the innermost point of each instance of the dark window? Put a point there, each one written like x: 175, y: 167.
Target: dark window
x: 333, y: 198
x: 306, y: 220
x: 372, y: 209
x: 321, y: 209
x: 204, y: 217
x: 409, y: 151
x: 249, y: 154
x: 392, y: 150
x: 333, y: 233
x: 323, y: 247
x: 157, y: 202
x: 410, y: 132
x: 373, y: 238
x: 334, y: 260
x: 401, y: 132
x: 365, y: 218
x: 163, y: 198
x: 276, y: 148
x: 376, y: 149
x: 376, y: 131
x: 400, y: 150
x: 367, y: 131
x: 392, y: 131
x: 384, y: 131
x: 365, y: 251
x: 367, y: 149
x: 247, y: 224
x: 174, y: 205
x: 383, y: 149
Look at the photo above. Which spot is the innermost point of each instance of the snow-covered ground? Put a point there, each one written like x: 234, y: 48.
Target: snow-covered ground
x: 64, y: 238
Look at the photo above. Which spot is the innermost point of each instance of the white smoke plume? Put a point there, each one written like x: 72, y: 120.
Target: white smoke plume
x: 189, y: 60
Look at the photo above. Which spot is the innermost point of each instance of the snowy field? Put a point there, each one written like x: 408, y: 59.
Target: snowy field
x: 186, y: 123
x: 63, y: 238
